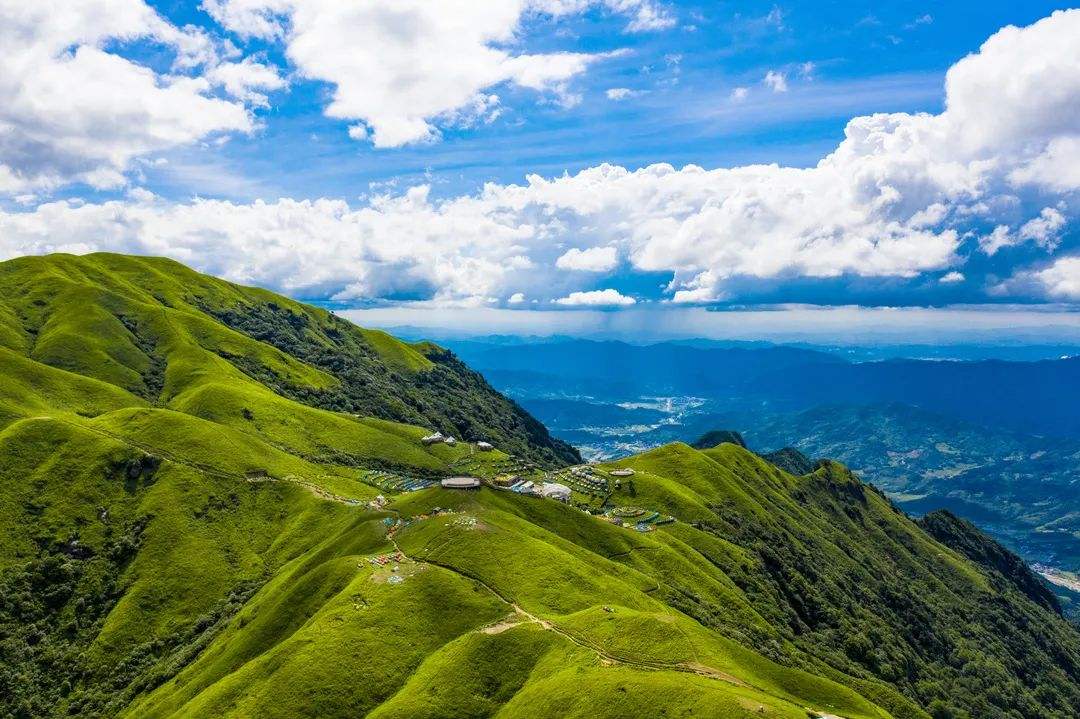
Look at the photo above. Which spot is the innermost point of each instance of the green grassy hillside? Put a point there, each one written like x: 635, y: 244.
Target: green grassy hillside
x: 164, y: 333
x: 189, y: 475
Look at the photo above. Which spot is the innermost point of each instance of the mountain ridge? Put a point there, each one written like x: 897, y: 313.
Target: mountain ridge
x: 354, y: 370
x: 218, y: 548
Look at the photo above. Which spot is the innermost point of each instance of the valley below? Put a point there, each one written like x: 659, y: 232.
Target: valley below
x: 1022, y: 488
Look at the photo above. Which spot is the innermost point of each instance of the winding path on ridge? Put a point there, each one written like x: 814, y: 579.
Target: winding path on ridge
x: 529, y: 618
x: 500, y: 626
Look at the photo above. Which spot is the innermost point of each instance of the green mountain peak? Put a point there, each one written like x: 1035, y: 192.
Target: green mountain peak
x: 220, y: 502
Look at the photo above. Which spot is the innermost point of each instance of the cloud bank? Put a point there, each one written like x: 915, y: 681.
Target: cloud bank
x: 902, y: 195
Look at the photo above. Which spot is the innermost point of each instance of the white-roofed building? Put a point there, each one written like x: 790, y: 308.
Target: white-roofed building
x: 554, y: 490
x: 527, y: 487
x: 461, y: 483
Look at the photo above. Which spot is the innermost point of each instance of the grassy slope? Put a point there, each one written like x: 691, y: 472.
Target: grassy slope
x: 527, y: 672
x: 163, y: 332
x: 375, y: 645
x: 30, y: 387
x: 142, y: 574
x: 858, y: 586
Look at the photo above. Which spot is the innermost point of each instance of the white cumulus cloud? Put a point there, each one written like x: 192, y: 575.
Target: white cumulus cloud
x: 622, y: 93
x: 1058, y: 280
x: 596, y: 298
x: 645, y: 16
x: 594, y: 259
x: 776, y: 81
x: 247, y: 80
x: 1044, y: 230
x: 403, y: 69
x: 897, y: 197
x: 72, y: 109
x: 998, y: 238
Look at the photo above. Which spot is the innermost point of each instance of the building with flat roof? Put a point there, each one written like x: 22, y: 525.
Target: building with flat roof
x: 527, y: 487
x: 461, y: 483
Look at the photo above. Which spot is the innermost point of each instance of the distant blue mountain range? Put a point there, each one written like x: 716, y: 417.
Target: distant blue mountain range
x: 1039, y: 398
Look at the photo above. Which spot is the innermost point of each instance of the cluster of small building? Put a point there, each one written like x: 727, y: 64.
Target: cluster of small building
x: 440, y: 438
x: 514, y: 483
x: 525, y: 486
x: 583, y: 479
x: 587, y: 481
x: 547, y: 490
x: 381, y: 560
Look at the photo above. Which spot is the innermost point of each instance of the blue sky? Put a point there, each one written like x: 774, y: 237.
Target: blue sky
x: 543, y: 155
x: 868, y: 57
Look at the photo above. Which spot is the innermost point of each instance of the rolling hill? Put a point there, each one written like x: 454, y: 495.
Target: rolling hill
x: 217, y: 504
x: 1022, y: 487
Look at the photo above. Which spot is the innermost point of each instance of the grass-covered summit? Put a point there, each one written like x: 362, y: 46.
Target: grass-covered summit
x: 191, y: 529
x: 176, y: 339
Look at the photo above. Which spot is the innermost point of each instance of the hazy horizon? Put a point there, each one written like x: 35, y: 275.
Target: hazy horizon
x: 840, y: 326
